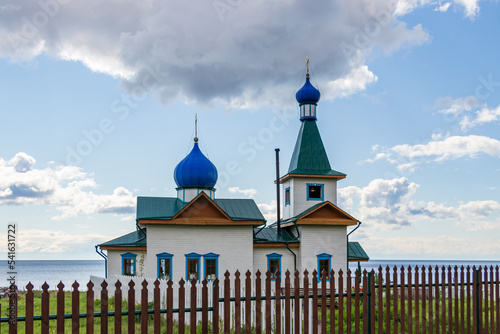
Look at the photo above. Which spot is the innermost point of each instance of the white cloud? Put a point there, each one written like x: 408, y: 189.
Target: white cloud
x: 217, y: 51
x: 388, y: 204
x: 470, y: 7
x: 250, y: 193
x: 65, y: 187
x: 443, y: 8
x: 482, y: 116
x: 454, y: 147
x: 355, y: 81
x: 46, y: 241
x: 457, y: 107
x: 440, y: 246
x: 382, y: 203
x: 268, y: 211
x: 471, y: 111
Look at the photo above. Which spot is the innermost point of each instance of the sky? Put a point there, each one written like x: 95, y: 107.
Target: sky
x: 98, y: 100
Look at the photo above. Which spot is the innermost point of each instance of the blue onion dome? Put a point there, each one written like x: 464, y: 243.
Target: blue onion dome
x: 195, y: 170
x: 308, y: 93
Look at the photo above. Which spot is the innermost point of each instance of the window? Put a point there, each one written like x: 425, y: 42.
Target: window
x: 164, y: 265
x: 211, y: 266
x: 274, y: 264
x: 324, y: 263
x: 287, y: 196
x: 193, y: 266
x: 128, y: 264
x: 314, y: 192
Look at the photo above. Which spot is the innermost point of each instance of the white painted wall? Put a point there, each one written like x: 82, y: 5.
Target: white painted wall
x: 323, y: 239
x: 298, y: 194
x: 260, y: 259
x: 115, y: 261
x: 186, y: 195
x: 287, y: 209
x: 234, y: 244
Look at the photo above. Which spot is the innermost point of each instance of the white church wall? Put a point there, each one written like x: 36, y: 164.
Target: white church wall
x: 233, y: 244
x: 298, y: 193
x: 260, y: 259
x: 287, y: 208
x: 115, y: 261
x: 316, y: 240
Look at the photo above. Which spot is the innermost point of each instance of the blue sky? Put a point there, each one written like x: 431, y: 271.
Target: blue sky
x: 98, y: 108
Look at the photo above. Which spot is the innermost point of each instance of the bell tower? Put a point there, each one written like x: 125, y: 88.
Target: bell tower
x: 310, y: 179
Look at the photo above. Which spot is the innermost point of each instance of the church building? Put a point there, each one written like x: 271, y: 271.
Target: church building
x: 197, y: 235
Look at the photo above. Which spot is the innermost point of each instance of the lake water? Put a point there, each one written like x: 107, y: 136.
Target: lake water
x: 54, y: 271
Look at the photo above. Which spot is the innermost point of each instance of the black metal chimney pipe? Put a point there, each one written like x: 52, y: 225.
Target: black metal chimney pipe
x: 278, y: 190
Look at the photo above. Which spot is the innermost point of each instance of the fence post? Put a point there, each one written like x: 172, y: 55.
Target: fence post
x: 90, y: 308
x: 60, y: 307
x: 369, y: 302
x: 476, y: 287
x: 13, y: 312
x: 75, y: 308
x: 29, y: 309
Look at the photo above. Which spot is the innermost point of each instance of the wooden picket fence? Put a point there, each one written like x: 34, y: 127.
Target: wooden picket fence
x: 412, y: 300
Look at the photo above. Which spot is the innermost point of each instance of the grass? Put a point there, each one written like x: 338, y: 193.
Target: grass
x: 403, y: 324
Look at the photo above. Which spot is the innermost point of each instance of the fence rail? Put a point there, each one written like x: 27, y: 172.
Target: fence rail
x: 413, y: 300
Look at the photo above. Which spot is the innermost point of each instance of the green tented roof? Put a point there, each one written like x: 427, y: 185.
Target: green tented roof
x: 309, y: 155
x: 134, y: 239
x: 356, y: 253
x: 167, y: 207
x: 266, y: 234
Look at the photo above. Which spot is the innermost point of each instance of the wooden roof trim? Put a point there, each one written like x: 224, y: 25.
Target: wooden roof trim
x: 275, y: 244
x: 128, y: 248
x: 194, y: 200
x: 289, y: 176
x: 322, y: 221
x: 201, y: 221
x: 360, y: 260
x: 332, y: 206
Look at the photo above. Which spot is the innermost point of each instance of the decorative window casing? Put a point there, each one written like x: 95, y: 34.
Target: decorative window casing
x: 129, y: 264
x: 274, y: 264
x: 315, y: 191
x: 164, y: 265
x: 324, y: 263
x: 211, y: 266
x: 193, y: 266
x: 287, y: 196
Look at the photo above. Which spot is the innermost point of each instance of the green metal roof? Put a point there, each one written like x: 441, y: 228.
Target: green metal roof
x: 356, y: 253
x: 167, y: 207
x: 240, y: 209
x: 134, y: 239
x: 309, y: 155
x: 266, y: 234
x: 158, y: 207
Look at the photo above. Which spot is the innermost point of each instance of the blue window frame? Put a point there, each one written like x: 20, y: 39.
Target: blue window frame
x: 315, y: 191
x: 273, y: 264
x: 324, y: 263
x: 193, y: 266
x: 211, y: 266
x: 129, y: 264
x: 164, y: 265
x: 287, y: 196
